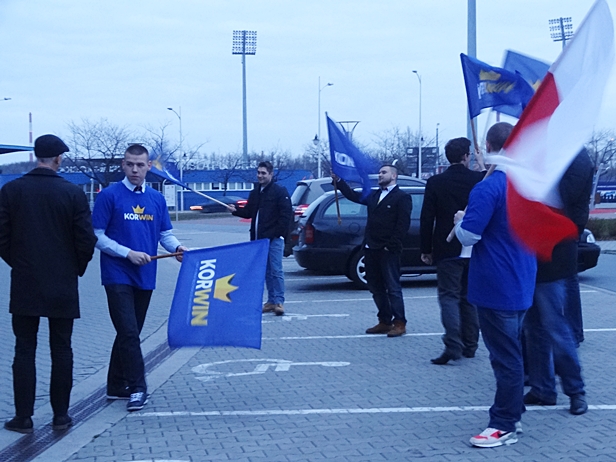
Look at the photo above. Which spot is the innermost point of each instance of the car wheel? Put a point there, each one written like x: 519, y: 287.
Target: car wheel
x: 357, y: 270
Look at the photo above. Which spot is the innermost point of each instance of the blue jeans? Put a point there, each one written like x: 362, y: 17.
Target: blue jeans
x: 274, y: 276
x: 550, y: 344
x: 128, y: 306
x: 573, y: 307
x: 501, y: 331
x: 459, y: 317
x: 383, y: 277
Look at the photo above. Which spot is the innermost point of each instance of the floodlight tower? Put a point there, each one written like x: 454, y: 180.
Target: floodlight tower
x: 561, y: 30
x: 244, y: 43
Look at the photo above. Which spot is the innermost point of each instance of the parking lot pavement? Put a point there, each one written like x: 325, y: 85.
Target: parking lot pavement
x: 320, y: 389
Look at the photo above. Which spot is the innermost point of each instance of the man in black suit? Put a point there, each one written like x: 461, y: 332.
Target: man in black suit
x: 446, y: 193
x: 389, y: 217
x: 46, y: 237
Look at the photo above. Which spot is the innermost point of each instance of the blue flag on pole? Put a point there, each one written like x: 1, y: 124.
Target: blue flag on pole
x: 531, y: 69
x: 348, y: 162
x: 166, y: 170
x: 218, y: 297
x: 488, y: 86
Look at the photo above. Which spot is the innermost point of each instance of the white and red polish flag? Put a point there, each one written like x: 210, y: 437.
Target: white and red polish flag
x: 551, y: 131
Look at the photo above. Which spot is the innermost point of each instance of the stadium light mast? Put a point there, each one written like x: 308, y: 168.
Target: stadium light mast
x: 471, y: 50
x: 561, y: 30
x: 244, y: 43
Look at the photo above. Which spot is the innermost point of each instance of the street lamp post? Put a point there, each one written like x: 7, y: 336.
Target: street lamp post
x: 318, y: 137
x: 181, y: 162
x: 420, y: 137
x: 244, y: 43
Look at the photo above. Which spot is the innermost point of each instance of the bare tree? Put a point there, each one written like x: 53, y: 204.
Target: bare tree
x: 228, y: 166
x: 602, y: 149
x: 97, y: 149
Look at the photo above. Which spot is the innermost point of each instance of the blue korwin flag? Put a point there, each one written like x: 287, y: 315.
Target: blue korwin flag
x: 532, y: 70
x: 218, y: 297
x: 166, y: 170
x: 348, y: 162
x: 488, y: 86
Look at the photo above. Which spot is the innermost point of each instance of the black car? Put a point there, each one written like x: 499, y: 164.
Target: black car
x: 326, y: 246
x: 307, y: 191
x: 332, y: 248
x: 215, y: 207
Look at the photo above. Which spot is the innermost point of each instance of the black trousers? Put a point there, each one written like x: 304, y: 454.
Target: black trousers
x: 128, y: 306
x: 383, y: 278
x: 25, y: 329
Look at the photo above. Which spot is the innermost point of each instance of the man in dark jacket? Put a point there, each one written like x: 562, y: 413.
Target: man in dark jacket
x: 389, y: 218
x: 446, y: 193
x: 46, y: 237
x: 550, y: 341
x: 269, y: 207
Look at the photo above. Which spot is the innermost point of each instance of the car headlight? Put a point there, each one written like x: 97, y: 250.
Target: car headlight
x: 590, y: 238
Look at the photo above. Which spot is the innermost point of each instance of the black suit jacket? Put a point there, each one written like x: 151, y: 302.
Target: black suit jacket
x: 388, y: 221
x: 446, y: 193
x: 46, y: 237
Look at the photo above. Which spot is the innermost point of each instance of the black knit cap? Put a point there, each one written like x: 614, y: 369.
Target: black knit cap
x: 49, y: 146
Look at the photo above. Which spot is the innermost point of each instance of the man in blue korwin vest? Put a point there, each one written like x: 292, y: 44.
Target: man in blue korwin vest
x: 129, y: 220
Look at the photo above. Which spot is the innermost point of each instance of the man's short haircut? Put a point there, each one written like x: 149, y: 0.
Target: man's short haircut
x: 266, y: 164
x: 137, y: 150
x: 498, y: 134
x: 456, y: 149
x: 394, y: 169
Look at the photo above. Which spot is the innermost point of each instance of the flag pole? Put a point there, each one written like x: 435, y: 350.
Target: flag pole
x: 166, y: 255
x: 337, y: 203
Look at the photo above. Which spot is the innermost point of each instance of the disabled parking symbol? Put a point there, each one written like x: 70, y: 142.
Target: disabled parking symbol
x: 243, y: 367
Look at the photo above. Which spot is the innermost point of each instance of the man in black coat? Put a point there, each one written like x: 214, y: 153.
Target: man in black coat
x: 46, y: 237
x: 270, y: 209
x: 389, y: 218
x: 446, y: 193
x: 550, y: 339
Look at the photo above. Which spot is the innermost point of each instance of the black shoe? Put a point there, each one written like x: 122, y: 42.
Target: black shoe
x: 61, y: 423
x: 468, y: 354
x: 532, y: 400
x: 118, y: 394
x: 20, y: 425
x: 137, y: 401
x: 578, y: 405
x: 443, y: 359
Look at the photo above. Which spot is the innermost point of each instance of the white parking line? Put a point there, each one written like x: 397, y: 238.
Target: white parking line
x: 386, y: 410
x: 338, y: 300
x: 321, y: 337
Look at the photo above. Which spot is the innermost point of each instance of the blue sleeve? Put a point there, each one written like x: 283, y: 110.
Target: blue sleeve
x: 102, y: 210
x: 482, y: 203
x: 165, y: 224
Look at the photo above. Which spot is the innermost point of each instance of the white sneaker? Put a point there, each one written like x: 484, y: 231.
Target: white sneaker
x: 492, y: 437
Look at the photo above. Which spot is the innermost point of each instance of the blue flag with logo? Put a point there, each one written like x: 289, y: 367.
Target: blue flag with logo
x: 531, y: 69
x: 348, y: 162
x: 488, y: 86
x: 218, y: 297
x: 166, y: 170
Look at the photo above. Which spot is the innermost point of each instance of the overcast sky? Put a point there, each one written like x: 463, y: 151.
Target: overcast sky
x: 128, y: 61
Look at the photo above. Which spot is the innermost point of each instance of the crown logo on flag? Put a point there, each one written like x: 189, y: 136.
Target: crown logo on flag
x: 223, y: 288
x: 489, y: 75
x: 138, y: 209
